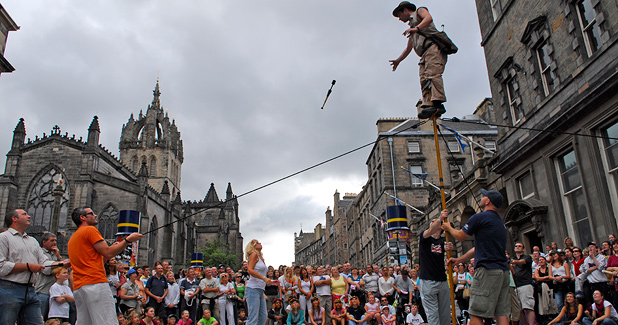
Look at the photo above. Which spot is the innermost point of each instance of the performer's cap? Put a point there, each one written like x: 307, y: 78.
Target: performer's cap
x: 402, y: 5
x: 494, y: 197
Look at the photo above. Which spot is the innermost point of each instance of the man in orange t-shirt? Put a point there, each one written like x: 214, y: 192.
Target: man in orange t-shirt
x: 87, y: 251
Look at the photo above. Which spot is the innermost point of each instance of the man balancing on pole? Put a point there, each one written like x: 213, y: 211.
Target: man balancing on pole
x: 433, y: 60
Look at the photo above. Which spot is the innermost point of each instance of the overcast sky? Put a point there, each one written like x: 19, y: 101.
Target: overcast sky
x: 244, y: 80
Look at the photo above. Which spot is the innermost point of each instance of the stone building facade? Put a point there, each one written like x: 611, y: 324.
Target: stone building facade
x: 554, y: 79
x: 354, y: 233
x: 51, y: 175
x: 309, y: 247
x: 7, y: 24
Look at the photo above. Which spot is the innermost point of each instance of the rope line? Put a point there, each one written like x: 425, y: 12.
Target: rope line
x: 222, y: 203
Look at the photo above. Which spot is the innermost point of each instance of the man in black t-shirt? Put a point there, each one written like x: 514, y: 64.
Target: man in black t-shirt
x: 521, y: 266
x: 434, y: 287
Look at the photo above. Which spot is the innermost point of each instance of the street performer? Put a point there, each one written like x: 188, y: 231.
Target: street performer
x: 433, y: 60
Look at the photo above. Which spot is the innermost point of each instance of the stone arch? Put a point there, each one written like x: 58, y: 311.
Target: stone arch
x: 467, y: 212
x: 48, y: 193
x: 108, y: 221
x: 525, y: 220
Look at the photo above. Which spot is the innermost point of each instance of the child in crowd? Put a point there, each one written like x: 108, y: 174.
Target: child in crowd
x: 338, y: 314
x: 296, y: 315
x: 242, y: 317
x: 414, y: 318
x: 60, y: 295
x: 316, y: 312
x: 171, y: 319
x: 355, y: 313
x: 132, y: 318
x: 372, y: 309
x: 207, y: 319
x: 277, y: 315
x: 52, y: 321
x: 120, y: 317
x: 184, y: 318
x: 387, y: 318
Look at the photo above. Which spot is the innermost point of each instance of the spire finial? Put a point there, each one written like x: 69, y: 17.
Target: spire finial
x: 156, y: 103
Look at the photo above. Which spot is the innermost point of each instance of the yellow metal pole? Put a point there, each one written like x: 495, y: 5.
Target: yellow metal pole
x: 448, y: 253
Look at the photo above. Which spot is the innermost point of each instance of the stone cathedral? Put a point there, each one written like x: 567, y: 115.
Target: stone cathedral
x: 50, y: 175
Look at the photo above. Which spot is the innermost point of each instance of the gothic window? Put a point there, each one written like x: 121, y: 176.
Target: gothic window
x: 108, y: 222
x: 152, y: 246
x: 586, y: 16
x: 159, y: 131
x: 573, y: 196
x: 50, y: 189
x: 135, y: 164
x: 140, y: 133
x: 153, y: 166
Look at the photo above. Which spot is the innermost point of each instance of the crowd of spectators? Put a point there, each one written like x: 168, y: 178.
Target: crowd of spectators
x: 558, y: 284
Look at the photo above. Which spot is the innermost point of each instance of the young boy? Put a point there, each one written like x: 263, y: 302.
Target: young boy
x: 60, y: 295
x: 207, y: 319
x: 414, y: 318
x: 171, y: 319
x: 242, y: 317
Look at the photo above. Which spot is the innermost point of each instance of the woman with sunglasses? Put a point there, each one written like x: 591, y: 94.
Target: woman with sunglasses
x: 254, y: 292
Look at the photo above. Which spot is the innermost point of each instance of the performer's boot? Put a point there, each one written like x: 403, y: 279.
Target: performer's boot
x: 436, y: 108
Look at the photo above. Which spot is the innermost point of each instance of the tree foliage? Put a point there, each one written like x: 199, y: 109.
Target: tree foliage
x: 215, y: 253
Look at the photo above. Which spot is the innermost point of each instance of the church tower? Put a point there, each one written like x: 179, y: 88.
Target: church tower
x: 153, y: 139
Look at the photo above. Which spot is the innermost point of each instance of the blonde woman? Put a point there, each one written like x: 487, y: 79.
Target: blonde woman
x: 254, y: 292
x: 287, y: 286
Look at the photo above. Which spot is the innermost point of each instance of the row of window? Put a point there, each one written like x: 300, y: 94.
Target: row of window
x: 591, y: 34
x: 414, y: 146
x: 572, y: 192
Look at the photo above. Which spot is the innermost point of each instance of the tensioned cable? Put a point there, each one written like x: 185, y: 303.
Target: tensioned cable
x: 455, y: 119
x: 220, y: 204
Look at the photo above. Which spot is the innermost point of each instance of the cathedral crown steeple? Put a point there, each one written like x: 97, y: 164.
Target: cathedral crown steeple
x: 151, y: 138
